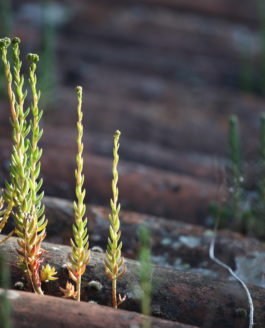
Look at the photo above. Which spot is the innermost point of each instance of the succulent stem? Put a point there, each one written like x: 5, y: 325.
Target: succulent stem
x: 114, y: 266
x: 22, y: 193
x: 114, y: 294
x: 80, y: 256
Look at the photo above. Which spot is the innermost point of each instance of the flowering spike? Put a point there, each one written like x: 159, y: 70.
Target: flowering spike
x: 15, y: 40
x: 33, y: 58
x: 80, y: 255
x: 22, y: 193
x: 114, y: 267
x: 5, y: 43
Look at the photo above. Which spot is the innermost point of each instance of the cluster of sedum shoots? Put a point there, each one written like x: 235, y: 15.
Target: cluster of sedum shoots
x: 22, y: 197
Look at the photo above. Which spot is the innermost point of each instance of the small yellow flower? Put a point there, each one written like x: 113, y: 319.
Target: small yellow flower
x: 48, y: 273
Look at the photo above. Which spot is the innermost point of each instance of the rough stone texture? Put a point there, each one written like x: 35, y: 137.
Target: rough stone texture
x: 181, y: 296
x: 174, y: 244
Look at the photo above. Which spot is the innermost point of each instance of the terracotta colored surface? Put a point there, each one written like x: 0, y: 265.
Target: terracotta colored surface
x: 182, y: 296
x: 237, y: 10
x: 141, y: 188
x: 31, y: 311
x: 167, y: 77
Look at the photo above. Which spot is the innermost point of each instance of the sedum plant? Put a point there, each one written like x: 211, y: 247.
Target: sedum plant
x: 80, y: 256
x: 231, y: 213
x: 5, y: 307
x: 145, y: 273
x: 244, y: 209
x: 114, y: 266
x: 257, y: 225
x: 235, y: 174
x: 5, y: 29
x: 23, y: 196
x: 262, y: 159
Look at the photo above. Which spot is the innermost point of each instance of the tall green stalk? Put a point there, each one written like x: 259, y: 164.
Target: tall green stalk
x: 145, y: 273
x: 262, y: 158
x: 114, y: 266
x: 5, y: 29
x: 19, y: 134
x: 261, y: 12
x: 5, y: 307
x: 22, y: 192
x: 235, y: 171
x: 80, y: 256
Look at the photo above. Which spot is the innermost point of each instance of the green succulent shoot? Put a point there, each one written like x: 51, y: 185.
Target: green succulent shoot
x: 262, y: 158
x: 145, y: 272
x: 22, y: 195
x: 80, y: 256
x: 19, y: 133
x: 235, y: 167
x: 5, y: 306
x: 114, y: 263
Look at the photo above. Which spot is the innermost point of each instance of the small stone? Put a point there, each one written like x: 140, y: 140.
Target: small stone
x: 93, y: 284
x: 10, y: 294
x: 19, y: 285
x: 97, y: 249
x: 166, y: 241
